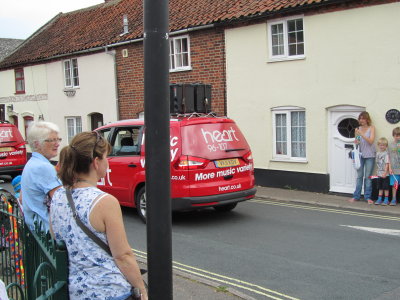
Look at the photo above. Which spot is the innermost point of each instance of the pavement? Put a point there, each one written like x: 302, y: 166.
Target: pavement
x: 330, y: 200
x: 187, y: 286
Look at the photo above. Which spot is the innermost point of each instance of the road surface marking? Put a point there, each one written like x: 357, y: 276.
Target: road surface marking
x: 394, y: 232
x: 323, y: 209
x: 224, y: 279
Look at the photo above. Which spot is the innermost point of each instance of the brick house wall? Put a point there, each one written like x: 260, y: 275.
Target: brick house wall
x: 208, y: 67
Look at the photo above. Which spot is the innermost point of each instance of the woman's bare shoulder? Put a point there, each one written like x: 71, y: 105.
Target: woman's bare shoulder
x: 109, y: 200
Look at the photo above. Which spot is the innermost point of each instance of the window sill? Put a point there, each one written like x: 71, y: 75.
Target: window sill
x: 180, y: 70
x: 280, y: 59
x: 290, y: 160
x: 19, y: 93
x: 69, y: 92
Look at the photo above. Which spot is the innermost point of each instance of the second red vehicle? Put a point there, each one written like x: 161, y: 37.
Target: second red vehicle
x: 12, y: 150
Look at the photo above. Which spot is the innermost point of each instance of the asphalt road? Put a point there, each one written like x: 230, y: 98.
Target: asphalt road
x: 274, y: 250
x: 277, y: 250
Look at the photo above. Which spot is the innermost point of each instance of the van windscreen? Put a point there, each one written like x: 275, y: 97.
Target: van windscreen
x: 213, y: 141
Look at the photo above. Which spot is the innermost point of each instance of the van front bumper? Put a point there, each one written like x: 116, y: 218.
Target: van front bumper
x: 190, y: 203
x: 8, y: 170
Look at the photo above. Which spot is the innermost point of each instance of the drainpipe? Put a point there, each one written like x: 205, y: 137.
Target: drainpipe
x: 186, y: 30
x: 112, y: 53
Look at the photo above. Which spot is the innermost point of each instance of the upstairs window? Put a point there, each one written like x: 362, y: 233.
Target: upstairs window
x: 19, y: 81
x: 179, y: 53
x: 286, y: 39
x: 289, y: 125
x: 71, y: 74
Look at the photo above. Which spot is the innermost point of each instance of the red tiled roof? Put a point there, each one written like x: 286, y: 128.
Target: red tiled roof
x: 245, y: 8
x: 101, y: 25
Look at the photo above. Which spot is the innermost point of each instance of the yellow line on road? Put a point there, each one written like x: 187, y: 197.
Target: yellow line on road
x: 231, y: 283
x: 224, y: 279
x: 330, y: 210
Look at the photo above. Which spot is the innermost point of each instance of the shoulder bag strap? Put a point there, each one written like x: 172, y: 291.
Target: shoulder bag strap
x: 86, y: 230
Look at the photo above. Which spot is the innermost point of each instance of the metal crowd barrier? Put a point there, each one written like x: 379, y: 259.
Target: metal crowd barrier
x: 33, y: 265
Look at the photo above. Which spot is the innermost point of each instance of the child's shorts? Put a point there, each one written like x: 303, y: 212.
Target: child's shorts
x: 392, y: 181
x: 383, y: 183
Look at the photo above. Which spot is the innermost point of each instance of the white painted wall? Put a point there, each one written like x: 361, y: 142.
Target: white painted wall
x: 96, y: 92
x: 352, y: 57
x: 35, y: 81
x: 33, y: 103
x: 7, y: 83
x: 44, y: 86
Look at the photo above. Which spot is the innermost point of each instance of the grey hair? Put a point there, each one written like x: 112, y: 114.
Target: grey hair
x: 39, y: 131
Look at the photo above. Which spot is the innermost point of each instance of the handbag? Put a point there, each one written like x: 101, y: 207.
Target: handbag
x: 86, y: 230
x: 355, y: 156
x: 135, y: 292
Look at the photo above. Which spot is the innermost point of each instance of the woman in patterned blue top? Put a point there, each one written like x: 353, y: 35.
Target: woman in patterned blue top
x: 93, y: 273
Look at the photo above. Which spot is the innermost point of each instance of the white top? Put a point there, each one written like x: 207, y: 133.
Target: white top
x: 93, y: 273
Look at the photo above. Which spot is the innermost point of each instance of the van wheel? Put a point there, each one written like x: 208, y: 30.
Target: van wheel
x: 225, y: 208
x: 141, y: 203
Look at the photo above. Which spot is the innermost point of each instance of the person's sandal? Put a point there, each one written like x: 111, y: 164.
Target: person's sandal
x: 370, y: 201
x: 353, y: 200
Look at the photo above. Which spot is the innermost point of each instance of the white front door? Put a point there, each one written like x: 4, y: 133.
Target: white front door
x: 342, y: 123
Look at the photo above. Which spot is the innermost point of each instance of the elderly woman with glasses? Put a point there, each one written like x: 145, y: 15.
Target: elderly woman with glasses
x: 105, y: 269
x: 39, y: 178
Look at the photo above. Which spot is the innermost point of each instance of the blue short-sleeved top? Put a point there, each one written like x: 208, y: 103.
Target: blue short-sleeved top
x: 93, y: 273
x: 39, y: 177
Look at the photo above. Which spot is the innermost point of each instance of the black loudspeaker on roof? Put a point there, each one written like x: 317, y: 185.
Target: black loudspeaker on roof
x: 190, y: 97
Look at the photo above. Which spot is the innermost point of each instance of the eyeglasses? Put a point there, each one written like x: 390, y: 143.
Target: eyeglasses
x: 55, y: 140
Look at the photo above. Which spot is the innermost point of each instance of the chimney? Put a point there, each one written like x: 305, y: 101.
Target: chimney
x: 125, y: 23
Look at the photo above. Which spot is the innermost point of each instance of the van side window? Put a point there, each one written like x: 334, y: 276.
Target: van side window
x: 126, y: 141
x: 105, y: 133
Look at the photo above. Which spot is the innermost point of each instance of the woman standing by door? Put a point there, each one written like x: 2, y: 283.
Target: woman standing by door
x: 365, y: 137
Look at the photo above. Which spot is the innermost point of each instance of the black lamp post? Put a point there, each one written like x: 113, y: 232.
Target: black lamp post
x: 156, y: 115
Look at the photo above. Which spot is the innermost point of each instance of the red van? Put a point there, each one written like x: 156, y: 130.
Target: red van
x: 12, y: 150
x: 211, y: 164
